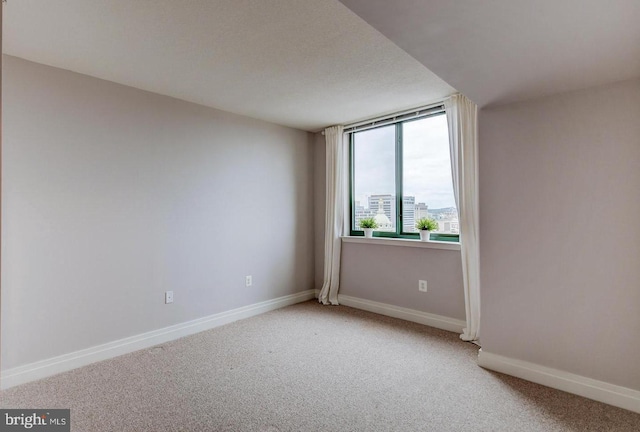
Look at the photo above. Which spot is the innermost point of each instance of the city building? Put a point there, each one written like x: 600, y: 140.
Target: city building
x: 421, y: 211
x: 408, y: 214
x: 388, y: 203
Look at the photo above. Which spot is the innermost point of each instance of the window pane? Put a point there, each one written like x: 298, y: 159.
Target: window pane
x: 427, y: 184
x: 374, y: 188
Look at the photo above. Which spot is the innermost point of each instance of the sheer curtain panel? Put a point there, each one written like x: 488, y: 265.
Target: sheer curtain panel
x: 462, y: 119
x: 336, y: 164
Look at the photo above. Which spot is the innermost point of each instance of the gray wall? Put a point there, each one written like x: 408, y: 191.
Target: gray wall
x: 390, y: 274
x: 112, y: 195
x: 560, y: 239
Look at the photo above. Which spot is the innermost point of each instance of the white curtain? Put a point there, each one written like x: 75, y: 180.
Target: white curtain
x: 336, y: 160
x: 462, y: 118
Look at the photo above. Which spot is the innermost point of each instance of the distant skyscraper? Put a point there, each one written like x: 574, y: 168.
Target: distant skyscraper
x: 408, y: 214
x: 421, y: 211
x: 388, y: 204
x: 384, y: 223
x: 361, y: 213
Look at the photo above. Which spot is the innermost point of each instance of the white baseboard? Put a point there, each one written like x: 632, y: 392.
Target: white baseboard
x: 52, y: 366
x: 432, y: 320
x: 601, y: 391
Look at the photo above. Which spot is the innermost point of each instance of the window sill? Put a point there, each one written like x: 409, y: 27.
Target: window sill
x: 403, y: 243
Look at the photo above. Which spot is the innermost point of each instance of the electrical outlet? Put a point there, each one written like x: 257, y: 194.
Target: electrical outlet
x: 248, y: 281
x: 422, y: 286
x: 168, y: 297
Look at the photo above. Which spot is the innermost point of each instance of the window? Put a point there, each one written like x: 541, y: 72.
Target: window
x: 401, y: 172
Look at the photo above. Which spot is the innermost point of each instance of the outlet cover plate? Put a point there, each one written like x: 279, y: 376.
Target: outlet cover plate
x: 422, y: 286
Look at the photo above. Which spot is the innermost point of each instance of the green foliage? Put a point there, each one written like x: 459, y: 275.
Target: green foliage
x: 429, y: 224
x: 368, y: 223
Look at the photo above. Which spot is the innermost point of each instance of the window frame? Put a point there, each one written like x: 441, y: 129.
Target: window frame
x: 398, y: 123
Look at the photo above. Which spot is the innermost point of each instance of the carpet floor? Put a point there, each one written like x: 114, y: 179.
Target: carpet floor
x: 309, y: 367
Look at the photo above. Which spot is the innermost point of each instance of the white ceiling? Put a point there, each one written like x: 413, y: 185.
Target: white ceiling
x: 500, y: 51
x: 300, y: 63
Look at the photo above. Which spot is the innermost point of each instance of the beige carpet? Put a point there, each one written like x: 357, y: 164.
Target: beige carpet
x: 311, y: 368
